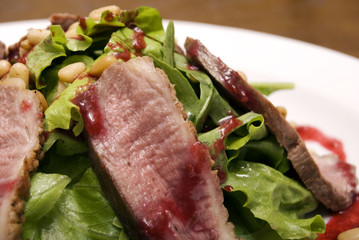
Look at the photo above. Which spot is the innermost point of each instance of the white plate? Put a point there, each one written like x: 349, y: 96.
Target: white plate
x: 327, y: 82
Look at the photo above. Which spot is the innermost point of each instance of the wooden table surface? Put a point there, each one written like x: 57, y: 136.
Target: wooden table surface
x: 330, y: 23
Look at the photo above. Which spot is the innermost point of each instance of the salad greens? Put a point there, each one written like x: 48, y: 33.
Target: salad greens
x: 66, y: 201
x: 274, y: 198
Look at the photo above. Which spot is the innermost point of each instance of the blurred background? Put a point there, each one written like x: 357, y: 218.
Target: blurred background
x: 330, y: 23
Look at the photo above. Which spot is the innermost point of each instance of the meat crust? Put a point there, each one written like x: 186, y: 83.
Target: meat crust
x: 21, y: 125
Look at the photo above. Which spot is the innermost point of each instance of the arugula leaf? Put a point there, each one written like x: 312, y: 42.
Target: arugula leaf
x: 270, y: 196
x: 169, y: 45
x: 218, y: 107
x: 149, y: 20
x: 196, y: 109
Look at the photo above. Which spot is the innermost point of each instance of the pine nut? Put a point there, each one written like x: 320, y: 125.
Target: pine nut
x: 293, y: 124
x: 352, y: 234
x: 98, y: 67
x: 22, y: 51
x: 15, y: 82
x: 4, y: 67
x: 42, y: 100
x: 70, y: 72
x: 37, y: 35
x: 26, y: 44
x: 282, y: 111
x: 71, y: 31
x: 73, y: 26
x: 19, y: 70
x: 96, y: 14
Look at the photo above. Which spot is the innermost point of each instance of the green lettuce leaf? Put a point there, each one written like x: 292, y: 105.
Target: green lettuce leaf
x: 246, y: 226
x: 121, y: 41
x: 267, y: 151
x: 81, y: 43
x: 74, y: 44
x: 82, y: 212
x: 42, y: 55
x: 274, y: 198
x: 58, y: 34
x: 251, y: 127
x: 60, y: 113
x: 149, y: 20
x: 90, y: 27
x: 45, y: 190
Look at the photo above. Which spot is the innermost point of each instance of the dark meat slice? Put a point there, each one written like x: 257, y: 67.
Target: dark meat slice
x: 20, y: 126
x: 336, y: 171
x: 329, y: 193
x: 63, y: 19
x: 154, y: 172
x: 14, y: 51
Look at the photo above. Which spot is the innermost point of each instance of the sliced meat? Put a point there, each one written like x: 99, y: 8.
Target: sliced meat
x: 63, y: 19
x: 14, y: 51
x: 20, y: 124
x: 336, y: 171
x: 151, y: 167
x: 247, y: 97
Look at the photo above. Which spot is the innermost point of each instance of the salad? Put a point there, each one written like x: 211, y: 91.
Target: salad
x: 263, y: 195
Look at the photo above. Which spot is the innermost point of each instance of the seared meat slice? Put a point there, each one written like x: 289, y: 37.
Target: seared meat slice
x: 14, y: 51
x: 247, y: 97
x: 154, y: 172
x: 337, y: 172
x: 63, y: 19
x: 20, y: 126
